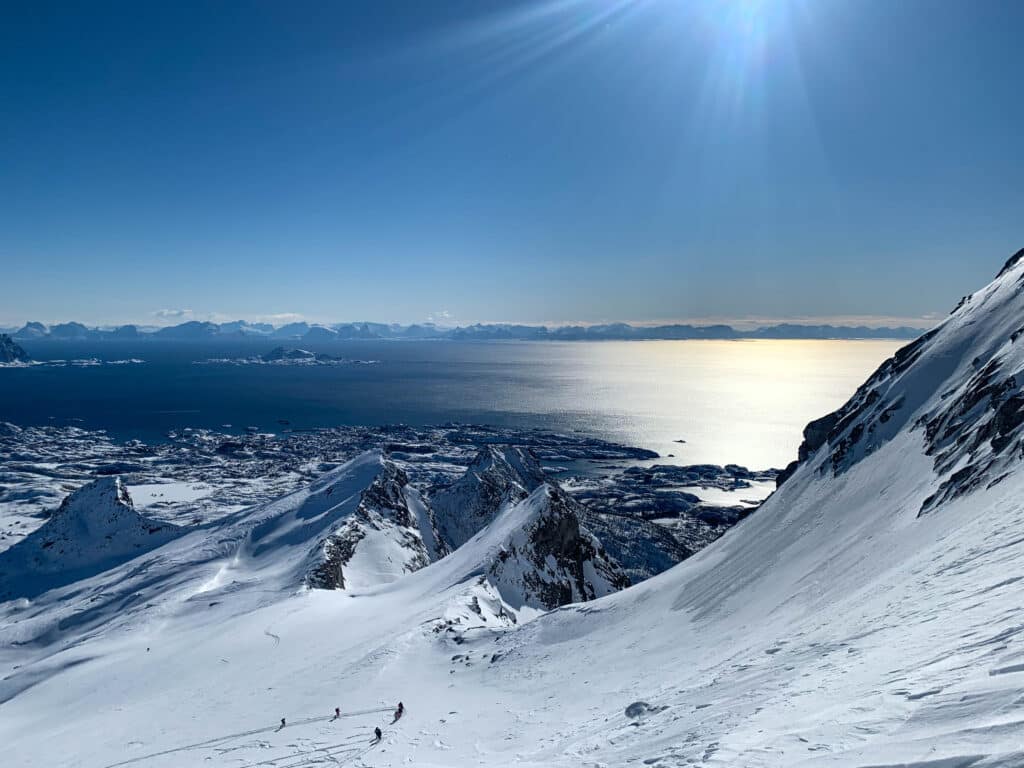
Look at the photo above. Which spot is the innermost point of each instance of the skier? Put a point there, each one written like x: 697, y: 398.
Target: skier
x: 377, y: 735
x: 337, y: 712
x: 282, y: 724
x: 398, y: 712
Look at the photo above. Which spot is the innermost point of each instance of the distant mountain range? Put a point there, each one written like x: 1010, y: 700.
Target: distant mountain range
x: 204, y: 331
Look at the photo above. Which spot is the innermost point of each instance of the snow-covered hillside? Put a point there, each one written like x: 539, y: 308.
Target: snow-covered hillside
x: 868, y: 614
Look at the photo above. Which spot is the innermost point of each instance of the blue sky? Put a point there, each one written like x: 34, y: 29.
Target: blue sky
x: 476, y: 160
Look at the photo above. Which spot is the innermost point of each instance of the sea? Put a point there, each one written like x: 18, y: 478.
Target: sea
x: 716, y: 402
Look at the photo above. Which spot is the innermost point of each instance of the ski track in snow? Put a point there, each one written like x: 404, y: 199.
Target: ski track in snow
x: 216, y: 742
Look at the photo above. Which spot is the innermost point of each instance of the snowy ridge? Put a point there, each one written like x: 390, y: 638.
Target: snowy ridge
x: 498, y: 475
x: 549, y: 559
x: 962, y: 383
x: 390, y: 533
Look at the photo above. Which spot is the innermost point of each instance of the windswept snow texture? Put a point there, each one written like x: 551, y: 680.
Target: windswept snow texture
x: 837, y: 627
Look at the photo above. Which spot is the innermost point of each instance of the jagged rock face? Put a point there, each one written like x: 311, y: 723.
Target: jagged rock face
x: 335, y: 551
x: 10, y: 351
x: 392, y: 520
x: 977, y: 431
x: 499, y: 475
x: 643, y: 549
x: 552, y: 560
x: 961, y: 385
x: 844, y: 429
x: 95, y: 527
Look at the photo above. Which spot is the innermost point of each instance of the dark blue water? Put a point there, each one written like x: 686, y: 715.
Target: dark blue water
x: 414, y: 383
x: 745, y: 402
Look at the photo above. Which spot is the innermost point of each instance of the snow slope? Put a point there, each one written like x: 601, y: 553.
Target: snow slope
x: 869, y: 614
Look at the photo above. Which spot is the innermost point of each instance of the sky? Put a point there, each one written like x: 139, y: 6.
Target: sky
x: 482, y: 160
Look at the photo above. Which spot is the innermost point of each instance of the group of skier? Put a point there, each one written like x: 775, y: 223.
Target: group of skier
x: 377, y: 733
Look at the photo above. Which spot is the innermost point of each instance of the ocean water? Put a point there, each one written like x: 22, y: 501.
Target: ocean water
x: 743, y: 402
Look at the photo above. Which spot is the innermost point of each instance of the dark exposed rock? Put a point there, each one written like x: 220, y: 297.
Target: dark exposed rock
x: 553, y: 560
x: 383, y: 507
x: 967, y: 374
x: 844, y: 429
x: 338, y: 549
x: 11, y: 351
x: 640, y: 547
x: 1011, y: 263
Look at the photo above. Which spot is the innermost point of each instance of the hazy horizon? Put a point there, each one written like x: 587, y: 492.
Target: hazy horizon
x: 738, y: 323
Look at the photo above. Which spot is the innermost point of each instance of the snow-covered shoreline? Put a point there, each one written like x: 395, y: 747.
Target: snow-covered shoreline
x: 202, y: 475
x: 88, y: 362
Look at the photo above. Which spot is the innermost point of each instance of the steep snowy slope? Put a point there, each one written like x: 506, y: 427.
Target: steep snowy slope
x: 868, y: 614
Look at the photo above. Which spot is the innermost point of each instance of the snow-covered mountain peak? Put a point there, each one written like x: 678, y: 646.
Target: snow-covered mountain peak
x: 497, y: 476
x: 390, y: 532
x: 94, y: 528
x: 511, y: 462
x: 104, y: 501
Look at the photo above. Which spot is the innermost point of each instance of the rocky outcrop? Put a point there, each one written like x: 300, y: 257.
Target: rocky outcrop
x: 499, y: 475
x: 10, y: 351
x: 852, y: 431
x: 550, y: 559
x: 1012, y: 262
x: 391, y: 532
x: 642, y: 548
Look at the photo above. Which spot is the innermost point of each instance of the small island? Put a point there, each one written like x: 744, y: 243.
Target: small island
x: 286, y: 356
